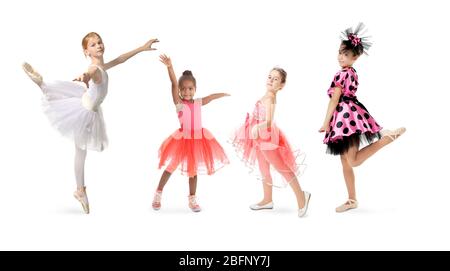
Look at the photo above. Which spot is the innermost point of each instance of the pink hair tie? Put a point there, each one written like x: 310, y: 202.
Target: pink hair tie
x: 357, y: 37
x: 354, y: 39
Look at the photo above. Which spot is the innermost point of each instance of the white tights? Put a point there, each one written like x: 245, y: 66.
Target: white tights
x: 80, y: 158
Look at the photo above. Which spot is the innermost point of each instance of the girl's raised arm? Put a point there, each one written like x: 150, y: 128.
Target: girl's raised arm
x: 173, y: 79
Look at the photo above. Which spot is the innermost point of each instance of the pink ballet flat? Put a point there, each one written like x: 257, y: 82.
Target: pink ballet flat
x: 393, y: 135
x: 349, y: 204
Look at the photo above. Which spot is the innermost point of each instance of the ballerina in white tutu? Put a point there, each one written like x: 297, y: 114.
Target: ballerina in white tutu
x: 74, y: 110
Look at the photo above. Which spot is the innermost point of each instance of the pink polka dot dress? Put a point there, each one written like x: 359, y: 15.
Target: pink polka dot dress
x: 351, y: 123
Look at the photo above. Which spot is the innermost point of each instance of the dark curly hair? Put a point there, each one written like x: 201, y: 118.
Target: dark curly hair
x: 349, y: 47
x: 187, y: 75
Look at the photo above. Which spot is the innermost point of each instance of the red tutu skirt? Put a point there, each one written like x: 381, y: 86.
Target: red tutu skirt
x: 193, y: 153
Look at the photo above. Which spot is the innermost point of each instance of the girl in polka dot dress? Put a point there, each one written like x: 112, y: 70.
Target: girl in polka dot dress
x: 348, y: 124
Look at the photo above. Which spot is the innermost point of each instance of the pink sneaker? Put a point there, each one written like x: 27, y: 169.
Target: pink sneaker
x: 156, y: 204
x: 193, y: 204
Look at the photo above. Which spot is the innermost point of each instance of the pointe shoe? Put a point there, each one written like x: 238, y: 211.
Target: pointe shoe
x: 256, y: 207
x: 349, y: 204
x: 193, y: 204
x: 156, y: 204
x: 393, y: 134
x: 81, y: 196
x: 32, y: 73
x: 302, y: 211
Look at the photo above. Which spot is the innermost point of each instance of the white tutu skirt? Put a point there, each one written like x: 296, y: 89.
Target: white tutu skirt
x: 66, y: 111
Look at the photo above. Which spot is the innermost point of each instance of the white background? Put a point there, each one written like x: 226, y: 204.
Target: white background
x: 230, y: 46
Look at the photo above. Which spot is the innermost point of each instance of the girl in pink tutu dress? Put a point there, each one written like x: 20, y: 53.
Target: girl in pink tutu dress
x: 348, y: 124
x: 191, y: 148
x: 259, y: 139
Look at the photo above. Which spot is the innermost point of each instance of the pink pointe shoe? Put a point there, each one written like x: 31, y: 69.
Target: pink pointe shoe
x: 81, y: 196
x: 32, y: 73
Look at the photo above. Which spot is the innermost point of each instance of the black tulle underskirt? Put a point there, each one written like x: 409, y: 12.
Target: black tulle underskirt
x: 360, y: 140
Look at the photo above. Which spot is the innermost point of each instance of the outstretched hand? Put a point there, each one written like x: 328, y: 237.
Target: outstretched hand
x: 165, y: 60
x: 83, y: 78
x: 148, y: 45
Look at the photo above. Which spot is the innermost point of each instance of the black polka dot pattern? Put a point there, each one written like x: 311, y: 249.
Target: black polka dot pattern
x: 350, y: 116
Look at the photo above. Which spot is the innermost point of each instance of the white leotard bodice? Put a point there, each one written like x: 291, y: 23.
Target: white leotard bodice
x: 96, y: 93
